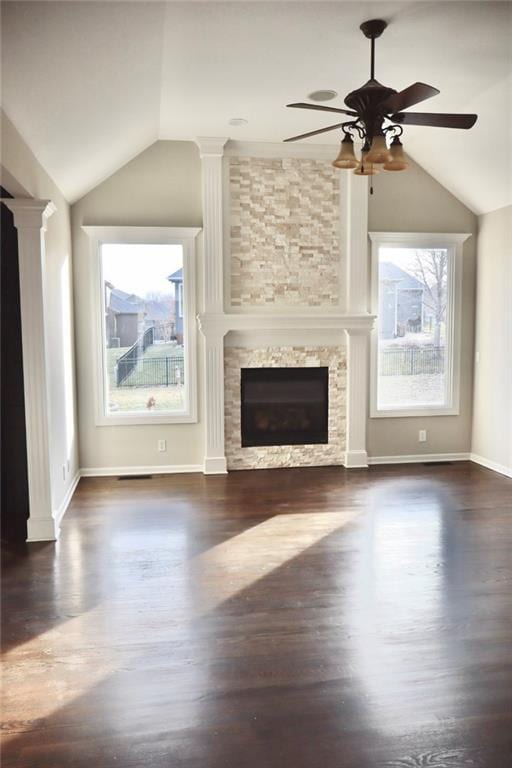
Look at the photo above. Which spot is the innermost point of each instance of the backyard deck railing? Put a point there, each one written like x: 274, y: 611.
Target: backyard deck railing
x: 128, y: 362
x: 411, y: 361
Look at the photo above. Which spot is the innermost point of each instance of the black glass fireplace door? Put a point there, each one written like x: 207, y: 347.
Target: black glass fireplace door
x: 284, y: 406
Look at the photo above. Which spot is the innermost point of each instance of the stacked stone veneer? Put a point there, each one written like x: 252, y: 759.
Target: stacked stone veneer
x: 261, y: 457
x: 284, y: 234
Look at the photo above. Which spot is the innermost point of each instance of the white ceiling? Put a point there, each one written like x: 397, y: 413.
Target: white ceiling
x: 89, y: 85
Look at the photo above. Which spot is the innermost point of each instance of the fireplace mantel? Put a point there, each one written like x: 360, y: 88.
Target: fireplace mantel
x: 351, y: 319
x: 221, y: 323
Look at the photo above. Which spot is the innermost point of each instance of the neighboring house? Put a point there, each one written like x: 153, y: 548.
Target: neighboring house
x: 177, y: 280
x: 160, y: 314
x: 124, y: 318
x: 128, y: 316
x: 400, y: 301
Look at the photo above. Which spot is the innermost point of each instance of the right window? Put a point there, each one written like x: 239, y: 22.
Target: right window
x: 416, y: 297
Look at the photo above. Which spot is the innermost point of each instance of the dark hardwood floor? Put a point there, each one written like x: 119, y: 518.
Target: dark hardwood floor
x: 276, y: 619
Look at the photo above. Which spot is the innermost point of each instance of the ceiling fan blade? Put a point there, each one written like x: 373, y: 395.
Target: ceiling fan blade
x: 303, y: 105
x: 314, y: 133
x: 408, y: 97
x: 435, y: 119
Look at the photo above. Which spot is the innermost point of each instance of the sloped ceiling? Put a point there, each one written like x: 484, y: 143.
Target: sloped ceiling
x: 90, y: 84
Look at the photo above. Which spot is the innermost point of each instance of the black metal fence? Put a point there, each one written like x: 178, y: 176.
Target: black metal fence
x: 410, y: 361
x: 156, y: 372
x: 128, y: 362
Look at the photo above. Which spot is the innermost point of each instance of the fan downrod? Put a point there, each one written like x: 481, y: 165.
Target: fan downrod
x: 373, y: 28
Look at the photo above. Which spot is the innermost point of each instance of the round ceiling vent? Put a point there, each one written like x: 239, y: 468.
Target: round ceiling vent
x: 322, y: 95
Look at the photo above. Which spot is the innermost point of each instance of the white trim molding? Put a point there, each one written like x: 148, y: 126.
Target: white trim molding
x: 488, y: 464
x: 66, y: 501
x: 357, y: 397
x: 280, y: 150
x: 186, y: 237
x: 30, y: 220
x: 212, y: 152
x: 453, y: 242
x: 225, y: 322
x: 158, y: 469
x: 354, y: 217
x: 418, y: 458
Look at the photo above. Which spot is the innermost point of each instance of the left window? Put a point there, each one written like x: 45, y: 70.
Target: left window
x: 145, y: 324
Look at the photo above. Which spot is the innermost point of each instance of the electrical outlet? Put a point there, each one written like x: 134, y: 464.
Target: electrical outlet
x: 422, y: 436
x: 162, y: 445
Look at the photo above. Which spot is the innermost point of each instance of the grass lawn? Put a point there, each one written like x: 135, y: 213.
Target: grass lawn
x: 136, y: 396
x: 411, y: 390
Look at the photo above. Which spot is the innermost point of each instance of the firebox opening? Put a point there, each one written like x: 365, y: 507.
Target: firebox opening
x: 284, y: 406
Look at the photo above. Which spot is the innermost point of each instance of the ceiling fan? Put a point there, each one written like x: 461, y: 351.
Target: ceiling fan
x: 377, y: 115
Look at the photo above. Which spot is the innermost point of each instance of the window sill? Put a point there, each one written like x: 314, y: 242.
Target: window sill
x: 396, y: 413
x: 132, y: 419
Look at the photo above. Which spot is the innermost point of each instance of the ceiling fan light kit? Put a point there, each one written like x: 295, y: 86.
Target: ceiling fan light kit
x: 398, y: 161
x: 377, y: 118
x: 346, y: 157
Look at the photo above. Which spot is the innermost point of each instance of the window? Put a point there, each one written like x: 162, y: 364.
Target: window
x: 416, y: 289
x: 145, y: 324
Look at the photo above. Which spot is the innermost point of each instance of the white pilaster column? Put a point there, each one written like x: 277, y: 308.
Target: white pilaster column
x: 355, y: 227
x: 355, y: 220
x: 212, y: 151
x: 215, y: 459
x: 30, y: 219
x: 357, y: 398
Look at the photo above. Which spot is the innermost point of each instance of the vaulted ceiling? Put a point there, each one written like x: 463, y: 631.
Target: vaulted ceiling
x: 90, y: 84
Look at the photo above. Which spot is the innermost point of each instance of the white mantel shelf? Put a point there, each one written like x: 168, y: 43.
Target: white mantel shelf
x: 222, y: 323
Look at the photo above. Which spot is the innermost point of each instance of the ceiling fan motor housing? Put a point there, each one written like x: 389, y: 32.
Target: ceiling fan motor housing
x: 366, y: 102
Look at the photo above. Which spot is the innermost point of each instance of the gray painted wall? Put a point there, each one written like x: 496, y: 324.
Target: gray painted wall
x: 492, y: 418
x: 160, y: 187
x: 413, y: 201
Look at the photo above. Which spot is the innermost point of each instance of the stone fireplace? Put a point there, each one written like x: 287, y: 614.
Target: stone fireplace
x: 285, y: 318
x: 327, y: 444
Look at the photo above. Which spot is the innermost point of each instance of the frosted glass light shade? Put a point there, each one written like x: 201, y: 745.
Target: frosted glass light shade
x: 365, y: 168
x: 398, y: 161
x: 346, y: 157
x: 379, y: 153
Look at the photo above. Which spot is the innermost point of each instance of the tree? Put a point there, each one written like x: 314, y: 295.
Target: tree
x: 431, y: 268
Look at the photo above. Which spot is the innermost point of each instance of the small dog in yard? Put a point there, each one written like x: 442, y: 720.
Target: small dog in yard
x: 151, y: 404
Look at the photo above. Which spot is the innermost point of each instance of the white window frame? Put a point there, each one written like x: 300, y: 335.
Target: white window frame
x: 180, y: 299
x: 186, y: 237
x: 453, y: 243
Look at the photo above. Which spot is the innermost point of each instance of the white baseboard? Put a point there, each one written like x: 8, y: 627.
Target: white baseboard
x: 215, y: 466
x: 488, y: 464
x: 356, y: 460
x: 161, y: 469
x: 419, y: 458
x: 61, y: 511
x: 42, y: 529
x: 47, y: 529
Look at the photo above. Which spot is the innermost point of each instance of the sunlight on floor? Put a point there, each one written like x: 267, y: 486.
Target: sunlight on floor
x: 234, y: 565
x: 70, y: 659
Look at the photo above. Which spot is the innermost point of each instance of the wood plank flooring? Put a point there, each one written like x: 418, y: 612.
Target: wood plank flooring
x: 302, y: 618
